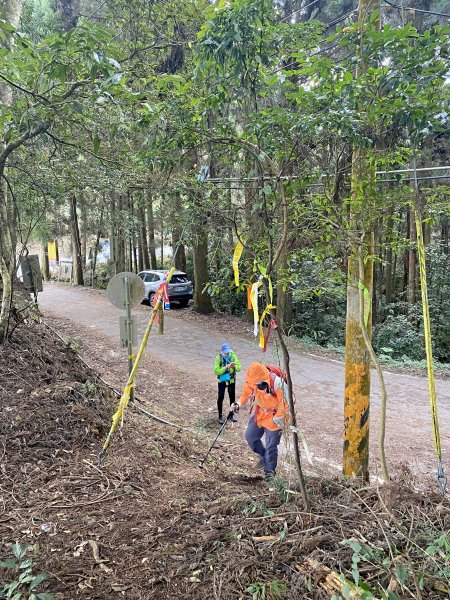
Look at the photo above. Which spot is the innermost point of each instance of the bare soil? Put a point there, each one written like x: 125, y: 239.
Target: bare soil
x: 149, y: 524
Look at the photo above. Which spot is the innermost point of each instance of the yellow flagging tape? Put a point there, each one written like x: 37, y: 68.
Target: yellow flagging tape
x: 268, y: 308
x: 236, y: 257
x: 125, y: 398
x: 427, y: 334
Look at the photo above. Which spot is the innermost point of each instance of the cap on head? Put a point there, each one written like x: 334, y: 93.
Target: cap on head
x: 257, y: 373
x: 225, y: 348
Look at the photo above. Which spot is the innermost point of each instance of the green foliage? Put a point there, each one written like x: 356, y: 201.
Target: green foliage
x: 38, y: 19
x: 431, y: 551
x: 257, y: 508
x: 281, y: 487
x: 89, y: 388
x: 224, y: 296
x: 400, y: 335
x: 272, y: 590
x: 103, y: 274
x: 22, y: 583
x: 236, y: 86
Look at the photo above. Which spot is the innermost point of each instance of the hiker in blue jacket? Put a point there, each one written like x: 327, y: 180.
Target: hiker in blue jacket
x: 225, y: 368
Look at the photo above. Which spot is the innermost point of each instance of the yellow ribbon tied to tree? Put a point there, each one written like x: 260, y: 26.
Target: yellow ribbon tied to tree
x: 236, y: 257
x: 268, y: 308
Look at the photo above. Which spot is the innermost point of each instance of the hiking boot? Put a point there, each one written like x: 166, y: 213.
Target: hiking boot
x: 221, y: 420
x: 269, y: 476
x: 258, y: 465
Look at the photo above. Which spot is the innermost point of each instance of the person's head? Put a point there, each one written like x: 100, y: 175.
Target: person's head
x: 225, y: 349
x: 257, y: 375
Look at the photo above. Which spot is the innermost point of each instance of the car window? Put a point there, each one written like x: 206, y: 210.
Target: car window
x: 179, y: 279
x: 142, y: 276
x: 148, y: 277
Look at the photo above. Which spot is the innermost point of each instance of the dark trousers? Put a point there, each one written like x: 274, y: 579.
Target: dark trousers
x: 221, y: 387
x: 269, y: 452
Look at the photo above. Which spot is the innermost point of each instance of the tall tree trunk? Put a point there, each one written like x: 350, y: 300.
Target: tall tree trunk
x: 376, y: 298
x: 426, y: 233
x: 357, y: 359
x: 133, y: 248
x: 112, y: 234
x: 130, y: 255
x: 77, y: 265
x: 135, y: 257
x: 389, y: 273
x: 284, y: 294
x: 445, y: 237
x: 405, y: 258
x: 97, y: 243
x: 229, y: 229
x: 68, y: 12
x: 140, y: 253
x: 202, y: 299
x: 177, y: 246
x: 144, y: 258
x: 411, y: 272
x: 84, y: 230
x: 10, y: 11
x: 7, y: 257
x: 161, y: 224
x: 120, y: 237
x: 253, y: 225
x: 150, y: 228
x: 45, y: 266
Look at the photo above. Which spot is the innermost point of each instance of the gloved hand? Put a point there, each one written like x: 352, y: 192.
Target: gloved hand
x: 278, y: 421
x: 235, y: 407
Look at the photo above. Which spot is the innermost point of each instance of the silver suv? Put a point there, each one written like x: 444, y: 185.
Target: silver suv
x: 180, y: 287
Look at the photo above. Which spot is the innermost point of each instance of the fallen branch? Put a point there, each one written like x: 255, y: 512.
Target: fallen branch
x: 329, y: 580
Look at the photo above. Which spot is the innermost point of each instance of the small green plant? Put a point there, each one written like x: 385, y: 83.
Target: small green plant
x: 257, y: 508
x: 272, y: 590
x: 433, y: 566
x: 89, y: 388
x: 281, y: 487
x: 24, y: 584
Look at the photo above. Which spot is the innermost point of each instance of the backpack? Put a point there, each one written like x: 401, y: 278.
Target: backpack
x: 275, y: 371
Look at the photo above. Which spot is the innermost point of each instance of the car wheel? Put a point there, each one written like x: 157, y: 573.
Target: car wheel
x: 184, y: 302
x: 151, y: 295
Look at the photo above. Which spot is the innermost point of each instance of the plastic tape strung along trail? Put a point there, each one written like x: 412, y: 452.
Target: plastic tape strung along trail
x: 125, y: 397
x: 442, y: 479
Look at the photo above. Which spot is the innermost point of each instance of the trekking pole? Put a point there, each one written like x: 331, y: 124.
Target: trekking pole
x: 230, y: 414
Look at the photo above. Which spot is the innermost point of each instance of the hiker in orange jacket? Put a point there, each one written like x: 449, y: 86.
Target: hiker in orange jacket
x: 269, y: 411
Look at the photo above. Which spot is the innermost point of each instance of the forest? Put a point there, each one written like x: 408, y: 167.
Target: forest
x: 293, y: 158
x: 143, y: 126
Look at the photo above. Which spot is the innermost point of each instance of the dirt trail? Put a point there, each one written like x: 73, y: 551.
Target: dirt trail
x: 191, y: 342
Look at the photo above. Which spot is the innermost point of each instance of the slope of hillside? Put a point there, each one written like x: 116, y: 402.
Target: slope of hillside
x: 151, y: 524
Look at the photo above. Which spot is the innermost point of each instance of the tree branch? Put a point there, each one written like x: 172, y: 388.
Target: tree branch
x: 24, y: 90
x: 28, y: 135
x: 81, y: 149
